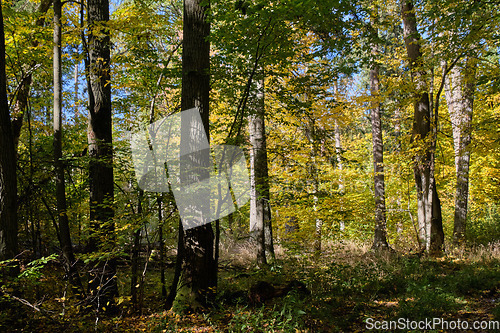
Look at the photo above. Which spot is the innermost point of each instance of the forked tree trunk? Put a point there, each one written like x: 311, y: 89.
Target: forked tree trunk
x: 102, y: 284
x: 459, y: 93
x: 198, y: 279
x: 8, y: 180
x: 380, y: 234
x: 64, y: 230
x: 428, y: 205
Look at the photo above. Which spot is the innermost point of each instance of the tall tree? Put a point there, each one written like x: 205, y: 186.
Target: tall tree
x: 8, y: 180
x: 198, y: 279
x: 260, y: 214
x: 428, y: 205
x: 338, y: 151
x: 22, y: 91
x: 459, y: 93
x: 103, y: 280
x: 64, y: 230
x: 380, y: 234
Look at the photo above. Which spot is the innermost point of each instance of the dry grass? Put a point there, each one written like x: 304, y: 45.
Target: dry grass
x: 476, y: 253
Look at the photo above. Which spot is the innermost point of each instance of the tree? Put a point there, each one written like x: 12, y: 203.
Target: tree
x: 21, y: 101
x: 260, y: 214
x: 64, y: 230
x: 380, y: 234
x: 102, y: 284
x: 459, y: 93
x: 8, y: 180
x: 199, y: 270
x: 428, y: 205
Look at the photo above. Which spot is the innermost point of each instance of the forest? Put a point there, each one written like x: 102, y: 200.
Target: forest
x: 249, y: 165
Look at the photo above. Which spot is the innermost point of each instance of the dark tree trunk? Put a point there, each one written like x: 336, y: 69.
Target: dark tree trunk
x: 64, y: 230
x: 423, y: 167
x: 199, y: 270
x: 380, y: 234
x: 103, y: 282
x: 8, y: 180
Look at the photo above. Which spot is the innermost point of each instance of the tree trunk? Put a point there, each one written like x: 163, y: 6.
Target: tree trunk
x: 459, y: 93
x: 162, y: 246
x: 421, y: 134
x: 169, y: 301
x: 21, y: 101
x: 102, y: 281
x: 8, y: 180
x: 380, y: 234
x: 338, y: 156
x: 134, y: 267
x: 64, y: 230
x: 318, y: 223
x: 259, y: 185
x: 199, y: 269
x: 310, y: 133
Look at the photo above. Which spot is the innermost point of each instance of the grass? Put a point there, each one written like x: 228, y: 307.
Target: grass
x: 348, y: 285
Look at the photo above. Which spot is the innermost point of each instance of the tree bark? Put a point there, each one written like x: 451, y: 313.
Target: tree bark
x: 162, y: 246
x: 199, y: 269
x: 338, y: 155
x: 428, y: 205
x: 8, y: 180
x: 64, y: 230
x: 134, y: 267
x: 21, y: 101
x: 459, y: 93
x: 380, y: 234
x: 259, y: 183
x: 102, y: 281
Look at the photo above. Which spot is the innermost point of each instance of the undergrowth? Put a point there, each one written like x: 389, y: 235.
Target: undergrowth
x: 348, y: 285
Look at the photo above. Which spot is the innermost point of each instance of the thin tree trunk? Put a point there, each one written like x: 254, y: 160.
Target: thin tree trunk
x: 162, y: 247
x: 424, y: 157
x: 178, y: 269
x: 459, y: 93
x: 199, y: 270
x: 65, y: 236
x: 380, y: 234
x: 22, y: 95
x: 134, y: 278
x: 338, y: 154
x: 318, y: 222
x: 102, y: 284
x: 8, y: 180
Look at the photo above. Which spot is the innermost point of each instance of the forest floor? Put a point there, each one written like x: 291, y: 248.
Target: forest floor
x: 349, y: 288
